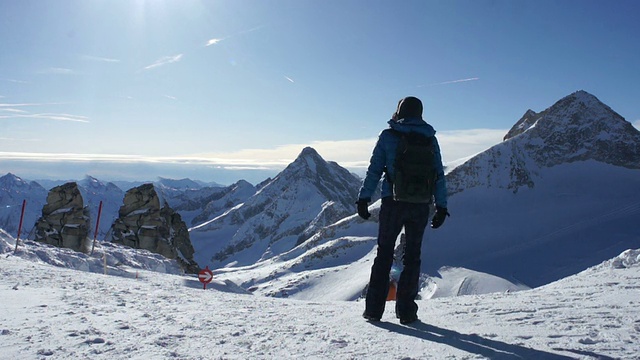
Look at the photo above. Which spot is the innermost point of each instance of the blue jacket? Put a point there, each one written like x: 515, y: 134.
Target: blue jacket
x: 384, y: 154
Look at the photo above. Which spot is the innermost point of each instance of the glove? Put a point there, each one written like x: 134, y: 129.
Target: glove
x: 438, y: 218
x: 363, y: 208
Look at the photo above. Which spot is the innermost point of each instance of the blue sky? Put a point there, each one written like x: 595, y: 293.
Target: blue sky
x: 222, y: 90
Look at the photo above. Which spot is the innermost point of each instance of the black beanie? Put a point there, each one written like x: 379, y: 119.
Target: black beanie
x: 409, y: 107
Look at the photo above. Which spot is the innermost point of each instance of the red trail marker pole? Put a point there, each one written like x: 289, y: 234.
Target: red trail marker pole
x: 24, y: 204
x: 95, y: 234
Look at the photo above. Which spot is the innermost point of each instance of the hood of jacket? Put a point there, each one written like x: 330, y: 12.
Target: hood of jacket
x: 412, y: 124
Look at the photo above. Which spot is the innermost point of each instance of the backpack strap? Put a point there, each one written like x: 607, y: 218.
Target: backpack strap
x: 385, y: 170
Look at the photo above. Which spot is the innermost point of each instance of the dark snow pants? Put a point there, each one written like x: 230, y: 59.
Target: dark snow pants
x: 393, y: 216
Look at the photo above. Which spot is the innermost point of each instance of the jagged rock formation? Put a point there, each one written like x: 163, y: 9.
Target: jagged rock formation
x: 146, y: 222
x: 65, y: 220
x: 306, y: 196
x: 576, y: 128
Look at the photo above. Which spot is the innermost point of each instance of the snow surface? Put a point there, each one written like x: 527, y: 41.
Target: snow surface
x: 53, y: 312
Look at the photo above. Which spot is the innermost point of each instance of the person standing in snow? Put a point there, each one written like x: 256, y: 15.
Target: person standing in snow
x: 396, y: 214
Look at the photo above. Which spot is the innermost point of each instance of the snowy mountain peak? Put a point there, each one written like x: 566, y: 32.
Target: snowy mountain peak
x: 91, y: 182
x: 10, y: 181
x: 181, y: 184
x: 527, y: 121
x: 577, y: 111
x: 308, y: 194
x: 15, y: 184
x: 309, y: 151
x: 308, y: 158
x: 578, y: 127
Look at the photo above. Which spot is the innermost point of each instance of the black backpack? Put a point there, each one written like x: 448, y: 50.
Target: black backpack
x: 415, y: 172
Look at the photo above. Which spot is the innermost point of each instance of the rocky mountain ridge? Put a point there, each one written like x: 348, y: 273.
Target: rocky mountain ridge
x: 306, y: 196
x: 578, y: 127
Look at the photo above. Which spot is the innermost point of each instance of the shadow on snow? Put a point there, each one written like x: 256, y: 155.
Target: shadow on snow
x: 474, y: 344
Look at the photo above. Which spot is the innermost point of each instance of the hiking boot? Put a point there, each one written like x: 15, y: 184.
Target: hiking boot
x: 371, y: 318
x: 408, y: 320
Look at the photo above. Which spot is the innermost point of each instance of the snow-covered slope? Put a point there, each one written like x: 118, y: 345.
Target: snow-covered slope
x: 205, y: 203
x: 306, y: 196
x: 61, y: 313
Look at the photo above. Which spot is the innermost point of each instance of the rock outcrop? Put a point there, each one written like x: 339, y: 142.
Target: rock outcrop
x: 145, y: 221
x: 65, y: 220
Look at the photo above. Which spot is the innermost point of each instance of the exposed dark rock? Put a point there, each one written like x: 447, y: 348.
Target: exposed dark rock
x: 146, y: 222
x: 65, y: 221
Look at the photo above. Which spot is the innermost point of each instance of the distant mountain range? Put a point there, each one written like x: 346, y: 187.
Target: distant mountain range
x: 558, y: 195
x: 193, y: 199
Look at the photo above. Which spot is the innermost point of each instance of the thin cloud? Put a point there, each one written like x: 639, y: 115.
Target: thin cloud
x: 164, y: 61
x: 13, y: 110
x: 213, y: 41
x: 636, y: 124
x: 57, y: 71
x: 27, y: 104
x: 134, y: 159
x: 351, y: 154
x: 290, y: 79
x: 98, y: 58
x: 21, y: 140
x: 48, y: 116
x: 251, y: 30
x: 17, y: 81
x: 171, y: 97
x: 452, y: 82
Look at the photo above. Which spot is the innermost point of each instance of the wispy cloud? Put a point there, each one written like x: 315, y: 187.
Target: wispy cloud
x: 290, y: 79
x: 14, y: 111
x: 251, y: 30
x: 57, y: 71
x: 26, y: 104
x: 98, y: 58
x: 11, y: 110
x: 48, y: 116
x: 20, y: 140
x: 17, y: 81
x: 164, y: 61
x: 452, y: 82
x: 171, y: 97
x: 213, y: 41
